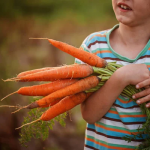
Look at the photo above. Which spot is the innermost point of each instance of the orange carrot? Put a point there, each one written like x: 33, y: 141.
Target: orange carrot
x: 30, y: 72
x: 51, y: 104
x: 64, y: 72
x: 43, y: 106
x: 34, y: 71
x: 44, y: 89
x: 79, y: 53
x: 62, y: 106
x: 79, y: 86
x: 19, y: 107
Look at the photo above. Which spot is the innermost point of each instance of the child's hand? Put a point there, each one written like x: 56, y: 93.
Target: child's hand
x: 133, y: 73
x: 143, y: 96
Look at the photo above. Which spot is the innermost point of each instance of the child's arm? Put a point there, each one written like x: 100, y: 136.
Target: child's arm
x: 97, y: 105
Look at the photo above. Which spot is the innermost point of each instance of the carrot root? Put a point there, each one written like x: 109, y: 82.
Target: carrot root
x: 38, y: 38
x: 9, y: 106
x: 7, y: 80
x: 19, y: 109
x: 28, y: 123
x: 8, y: 95
x: 11, y: 79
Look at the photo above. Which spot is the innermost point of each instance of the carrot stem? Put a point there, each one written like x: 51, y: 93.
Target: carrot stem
x: 101, y: 71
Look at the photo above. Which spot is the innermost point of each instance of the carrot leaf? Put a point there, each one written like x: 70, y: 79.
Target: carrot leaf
x: 38, y: 130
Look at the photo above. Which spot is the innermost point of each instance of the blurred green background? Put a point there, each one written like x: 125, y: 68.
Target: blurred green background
x: 70, y: 21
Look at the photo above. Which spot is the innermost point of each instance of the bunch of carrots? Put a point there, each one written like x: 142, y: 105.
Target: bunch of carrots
x: 68, y: 85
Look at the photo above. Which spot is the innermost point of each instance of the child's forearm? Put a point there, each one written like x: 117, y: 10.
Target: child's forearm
x: 97, y: 105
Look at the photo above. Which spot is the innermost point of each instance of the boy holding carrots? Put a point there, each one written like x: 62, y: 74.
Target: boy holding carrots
x: 111, y: 116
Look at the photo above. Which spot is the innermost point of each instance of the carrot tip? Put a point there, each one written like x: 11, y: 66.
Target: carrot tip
x: 28, y: 123
x: 5, y: 80
x: 11, y: 79
x: 16, y: 111
x: 38, y: 38
x: 19, y: 109
x: 8, y: 95
x: 9, y: 106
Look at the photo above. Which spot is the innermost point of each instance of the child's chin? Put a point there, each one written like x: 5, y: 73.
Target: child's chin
x: 125, y: 21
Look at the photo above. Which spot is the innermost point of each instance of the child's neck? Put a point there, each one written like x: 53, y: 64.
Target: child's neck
x: 133, y: 35
x: 130, y: 40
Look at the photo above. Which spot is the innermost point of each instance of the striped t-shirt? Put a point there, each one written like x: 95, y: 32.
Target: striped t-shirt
x: 125, y: 116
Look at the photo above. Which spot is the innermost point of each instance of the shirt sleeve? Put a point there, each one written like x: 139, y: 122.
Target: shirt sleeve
x: 84, y: 46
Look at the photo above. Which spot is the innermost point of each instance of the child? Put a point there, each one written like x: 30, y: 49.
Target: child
x: 111, y: 116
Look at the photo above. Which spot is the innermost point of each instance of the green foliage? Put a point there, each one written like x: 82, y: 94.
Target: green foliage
x: 40, y: 129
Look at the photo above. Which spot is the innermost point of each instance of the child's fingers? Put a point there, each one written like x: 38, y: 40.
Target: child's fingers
x: 148, y: 105
x: 146, y: 87
x: 143, y: 100
x: 144, y: 83
x: 141, y: 94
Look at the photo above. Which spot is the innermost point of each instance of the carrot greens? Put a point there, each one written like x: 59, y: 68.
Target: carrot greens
x: 38, y: 130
